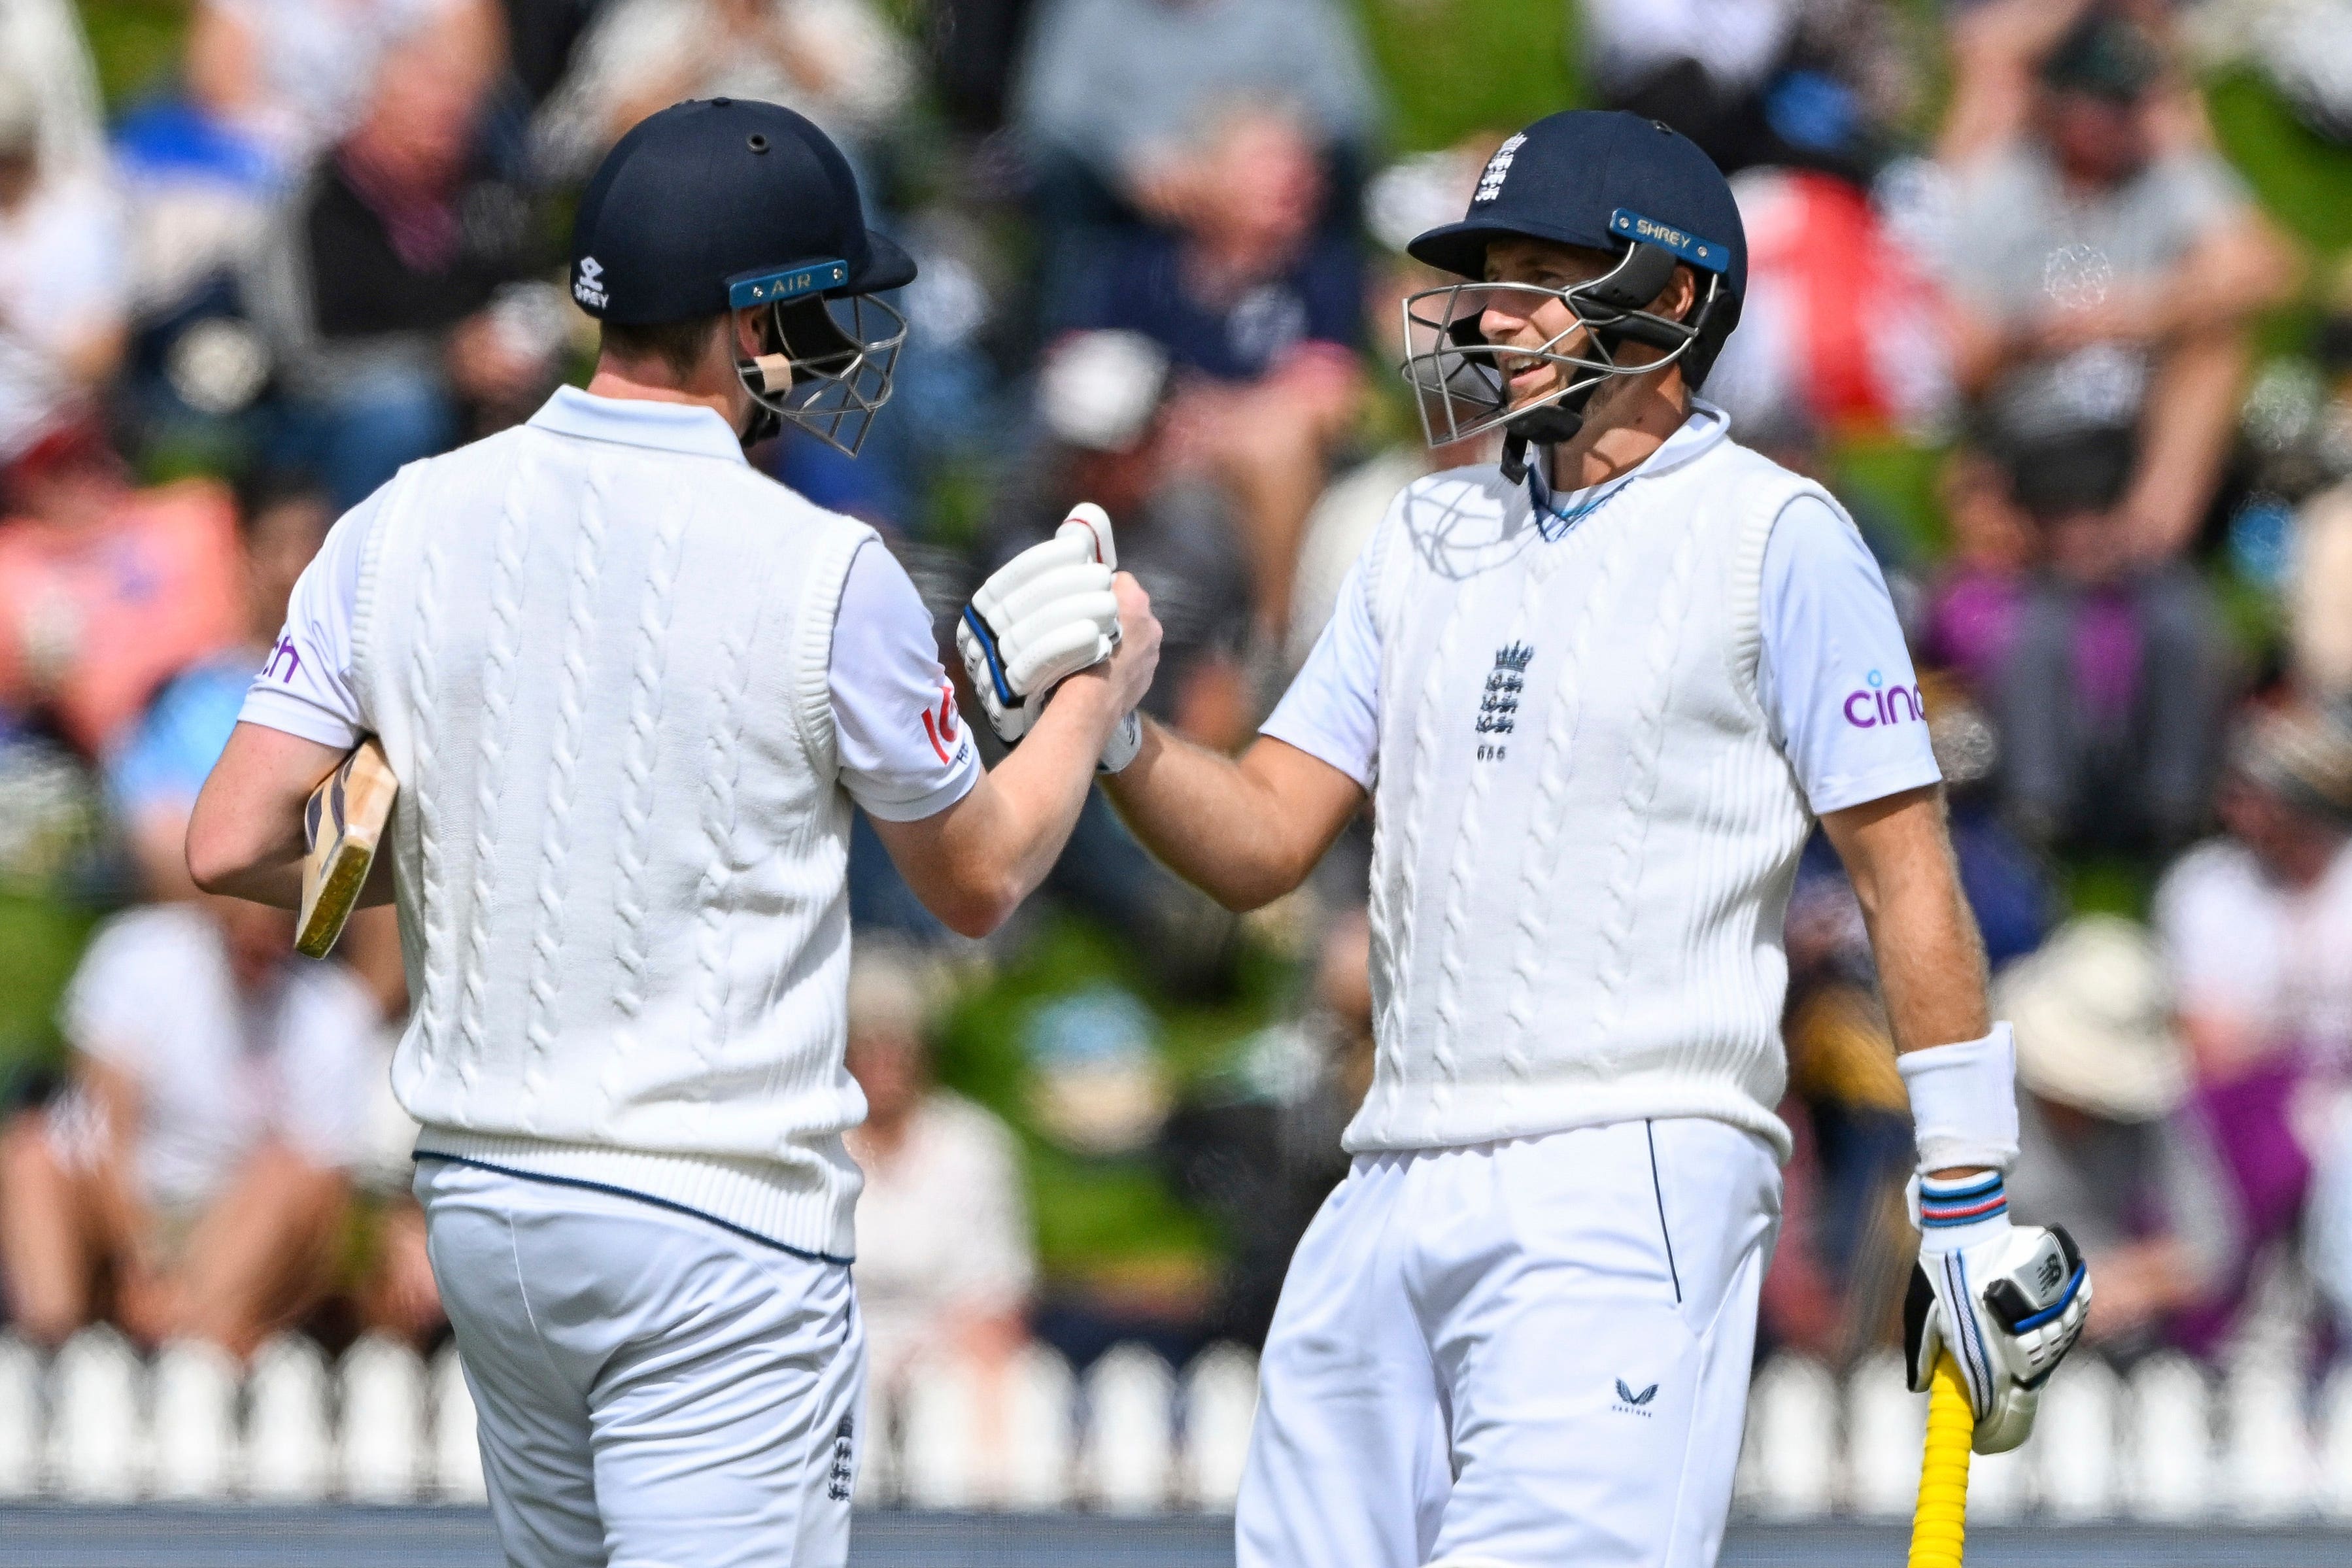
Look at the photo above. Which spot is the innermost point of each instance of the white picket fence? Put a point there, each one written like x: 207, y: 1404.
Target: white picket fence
x: 2171, y: 1443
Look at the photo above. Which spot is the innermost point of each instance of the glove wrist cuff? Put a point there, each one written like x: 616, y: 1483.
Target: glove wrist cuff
x: 1964, y: 1102
x: 1960, y: 1215
x: 1126, y: 741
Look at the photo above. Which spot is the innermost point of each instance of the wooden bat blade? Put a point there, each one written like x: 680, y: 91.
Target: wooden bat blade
x: 344, y: 825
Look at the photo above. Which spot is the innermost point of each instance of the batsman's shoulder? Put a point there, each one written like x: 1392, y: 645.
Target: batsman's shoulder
x: 1754, y: 467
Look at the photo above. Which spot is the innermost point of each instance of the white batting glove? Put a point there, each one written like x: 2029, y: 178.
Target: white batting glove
x: 2007, y: 1301
x: 1040, y: 618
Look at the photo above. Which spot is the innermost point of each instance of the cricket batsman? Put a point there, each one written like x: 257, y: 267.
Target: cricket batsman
x: 1598, y: 695
x: 629, y: 688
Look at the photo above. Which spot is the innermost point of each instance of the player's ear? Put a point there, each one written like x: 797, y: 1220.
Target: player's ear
x: 748, y: 330
x: 1681, y: 296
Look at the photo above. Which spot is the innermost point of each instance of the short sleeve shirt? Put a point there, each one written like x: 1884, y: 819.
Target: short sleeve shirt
x: 1831, y: 648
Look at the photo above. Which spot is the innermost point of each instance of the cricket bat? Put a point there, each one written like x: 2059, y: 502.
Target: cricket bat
x: 342, y: 826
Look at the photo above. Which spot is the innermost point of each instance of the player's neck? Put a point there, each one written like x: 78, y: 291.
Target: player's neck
x: 1622, y: 426
x: 652, y: 383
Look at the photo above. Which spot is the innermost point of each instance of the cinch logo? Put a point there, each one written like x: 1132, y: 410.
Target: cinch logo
x: 1884, y: 704
x: 285, y: 653
x: 589, y: 289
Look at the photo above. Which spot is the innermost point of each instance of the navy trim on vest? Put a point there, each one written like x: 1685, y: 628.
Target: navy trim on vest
x: 728, y: 1225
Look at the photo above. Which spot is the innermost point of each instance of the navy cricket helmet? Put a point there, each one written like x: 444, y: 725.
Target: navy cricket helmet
x: 721, y: 204
x: 1605, y: 181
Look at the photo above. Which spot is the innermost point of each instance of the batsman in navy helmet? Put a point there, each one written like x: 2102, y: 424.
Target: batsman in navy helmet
x: 734, y: 205
x: 630, y: 687
x: 1599, y: 695
x: 1648, y: 265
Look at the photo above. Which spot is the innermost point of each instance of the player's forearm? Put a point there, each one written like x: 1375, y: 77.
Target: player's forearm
x: 1214, y: 821
x: 1931, y: 964
x: 245, y: 835
x: 998, y: 844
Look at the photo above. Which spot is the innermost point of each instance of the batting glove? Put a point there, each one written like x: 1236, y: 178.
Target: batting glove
x: 2007, y: 1301
x: 1040, y: 618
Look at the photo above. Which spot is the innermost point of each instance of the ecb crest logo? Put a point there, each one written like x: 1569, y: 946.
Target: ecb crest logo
x: 1490, y: 183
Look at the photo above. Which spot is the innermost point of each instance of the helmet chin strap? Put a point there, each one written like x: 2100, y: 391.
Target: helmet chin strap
x: 771, y: 374
x: 1545, y: 428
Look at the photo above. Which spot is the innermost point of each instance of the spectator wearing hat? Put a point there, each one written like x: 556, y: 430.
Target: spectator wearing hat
x: 2103, y: 274
x: 945, y: 1262
x: 2257, y: 922
x: 2105, y: 1146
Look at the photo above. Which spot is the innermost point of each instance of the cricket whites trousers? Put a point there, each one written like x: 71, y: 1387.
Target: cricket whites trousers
x: 651, y: 1389
x: 1533, y: 1353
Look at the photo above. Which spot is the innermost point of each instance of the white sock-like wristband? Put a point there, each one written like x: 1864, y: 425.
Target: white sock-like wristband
x: 1964, y: 1102
x: 1957, y: 1215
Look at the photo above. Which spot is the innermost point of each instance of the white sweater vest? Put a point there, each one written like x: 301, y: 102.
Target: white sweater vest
x: 1586, y: 833
x: 600, y: 673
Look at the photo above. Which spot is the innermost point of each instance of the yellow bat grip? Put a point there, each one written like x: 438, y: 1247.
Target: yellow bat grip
x: 1940, y: 1527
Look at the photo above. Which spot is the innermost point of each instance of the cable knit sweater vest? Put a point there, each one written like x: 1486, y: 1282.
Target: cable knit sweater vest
x: 1586, y: 832
x: 600, y: 673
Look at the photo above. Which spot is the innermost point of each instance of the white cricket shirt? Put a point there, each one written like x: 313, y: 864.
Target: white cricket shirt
x: 1834, y: 656
x: 1599, y: 729
x: 630, y: 686
x: 904, y: 753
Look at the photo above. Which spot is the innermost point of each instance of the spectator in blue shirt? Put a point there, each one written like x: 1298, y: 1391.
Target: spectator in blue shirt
x: 1260, y: 315
x: 153, y: 775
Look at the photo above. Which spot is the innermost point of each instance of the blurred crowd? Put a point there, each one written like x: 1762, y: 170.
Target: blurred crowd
x: 1996, y: 253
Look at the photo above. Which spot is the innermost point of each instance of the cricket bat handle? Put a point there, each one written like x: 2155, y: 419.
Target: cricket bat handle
x: 1940, y: 1528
